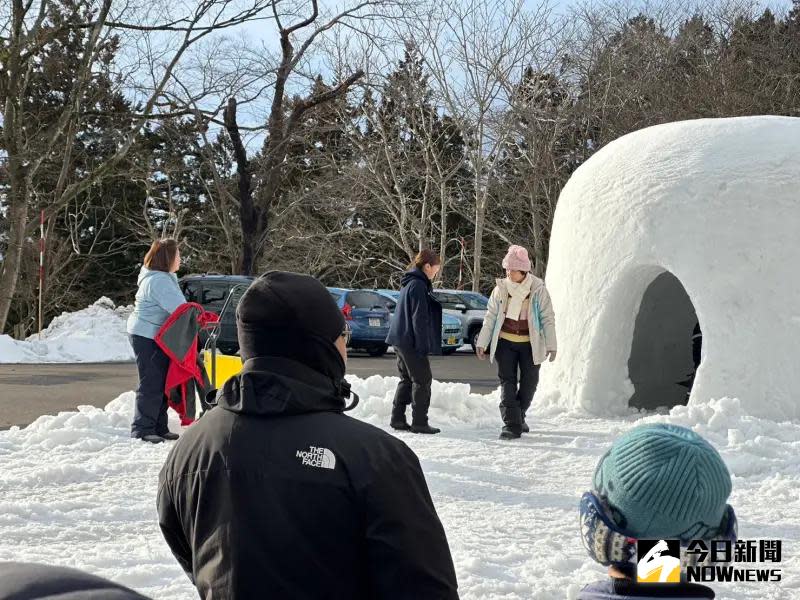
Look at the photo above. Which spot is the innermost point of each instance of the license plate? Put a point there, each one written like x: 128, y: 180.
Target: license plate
x: 374, y: 322
x: 451, y: 341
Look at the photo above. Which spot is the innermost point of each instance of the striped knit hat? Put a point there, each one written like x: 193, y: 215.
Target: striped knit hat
x: 664, y: 481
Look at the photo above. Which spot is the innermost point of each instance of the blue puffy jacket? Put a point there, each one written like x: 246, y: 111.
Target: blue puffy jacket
x: 417, y: 321
x: 157, y: 298
x: 626, y: 589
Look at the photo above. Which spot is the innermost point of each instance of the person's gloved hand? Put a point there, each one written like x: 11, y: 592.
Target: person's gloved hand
x: 551, y: 355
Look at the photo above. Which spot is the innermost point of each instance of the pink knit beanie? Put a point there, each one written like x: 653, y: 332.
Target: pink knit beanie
x: 517, y: 259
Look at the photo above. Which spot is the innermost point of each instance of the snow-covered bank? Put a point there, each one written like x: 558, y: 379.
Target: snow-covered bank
x: 94, y: 334
x: 454, y: 405
x: 76, y: 490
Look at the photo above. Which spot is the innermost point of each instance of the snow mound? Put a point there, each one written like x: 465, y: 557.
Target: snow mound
x: 754, y: 446
x: 452, y: 404
x: 94, y: 334
x: 705, y: 211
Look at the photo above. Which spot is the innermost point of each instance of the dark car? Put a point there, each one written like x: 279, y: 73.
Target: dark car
x: 211, y: 292
x: 366, y: 314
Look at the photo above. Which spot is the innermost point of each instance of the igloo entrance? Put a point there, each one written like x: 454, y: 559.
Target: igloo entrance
x: 661, y: 364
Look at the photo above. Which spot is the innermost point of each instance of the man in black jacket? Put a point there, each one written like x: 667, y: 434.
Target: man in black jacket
x: 275, y: 493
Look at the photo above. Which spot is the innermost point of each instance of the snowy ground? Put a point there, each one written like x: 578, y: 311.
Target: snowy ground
x: 76, y: 490
x: 94, y: 334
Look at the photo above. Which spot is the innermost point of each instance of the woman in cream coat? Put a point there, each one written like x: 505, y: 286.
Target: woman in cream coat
x: 519, y: 332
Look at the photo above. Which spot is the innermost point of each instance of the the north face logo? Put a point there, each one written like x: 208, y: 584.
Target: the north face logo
x: 317, y: 457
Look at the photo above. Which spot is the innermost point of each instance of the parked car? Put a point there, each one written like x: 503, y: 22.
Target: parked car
x: 452, y: 338
x: 368, y: 317
x: 467, y: 307
x: 211, y: 292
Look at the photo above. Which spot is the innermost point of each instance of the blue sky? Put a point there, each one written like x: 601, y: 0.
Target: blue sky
x: 264, y: 33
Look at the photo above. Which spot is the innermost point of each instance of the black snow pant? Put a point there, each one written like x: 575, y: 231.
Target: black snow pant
x: 518, y: 378
x: 414, y: 387
x: 150, y: 416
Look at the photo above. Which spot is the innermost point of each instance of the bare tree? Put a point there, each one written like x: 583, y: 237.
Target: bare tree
x: 410, y: 159
x: 283, y: 120
x: 29, y: 28
x: 475, y: 52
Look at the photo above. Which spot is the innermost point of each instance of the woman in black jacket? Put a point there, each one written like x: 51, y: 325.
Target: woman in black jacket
x: 416, y: 332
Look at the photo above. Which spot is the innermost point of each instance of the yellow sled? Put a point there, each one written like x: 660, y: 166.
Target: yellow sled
x: 220, y: 367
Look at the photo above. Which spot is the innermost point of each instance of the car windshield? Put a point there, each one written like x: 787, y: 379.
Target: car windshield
x: 474, y: 301
x: 365, y: 300
x: 235, y: 292
x: 214, y: 295
x: 449, y: 301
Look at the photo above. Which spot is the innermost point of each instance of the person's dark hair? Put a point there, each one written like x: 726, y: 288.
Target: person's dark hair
x: 161, y: 255
x: 425, y: 257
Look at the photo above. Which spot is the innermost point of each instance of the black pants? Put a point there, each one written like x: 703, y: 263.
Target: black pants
x: 414, y: 387
x: 151, y: 403
x: 518, y: 378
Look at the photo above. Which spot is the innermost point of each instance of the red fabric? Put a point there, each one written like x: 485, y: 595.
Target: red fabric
x: 183, y: 369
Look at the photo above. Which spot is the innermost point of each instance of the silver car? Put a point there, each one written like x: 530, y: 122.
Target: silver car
x: 468, y: 307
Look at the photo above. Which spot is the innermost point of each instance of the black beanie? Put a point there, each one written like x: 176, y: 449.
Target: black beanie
x: 291, y: 316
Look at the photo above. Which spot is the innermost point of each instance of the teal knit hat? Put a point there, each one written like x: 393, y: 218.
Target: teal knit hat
x: 664, y: 482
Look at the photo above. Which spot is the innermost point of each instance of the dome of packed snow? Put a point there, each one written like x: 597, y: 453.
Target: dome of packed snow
x: 680, y: 237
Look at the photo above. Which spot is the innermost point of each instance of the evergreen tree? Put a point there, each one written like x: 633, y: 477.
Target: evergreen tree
x: 86, y: 247
x: 413, y: 175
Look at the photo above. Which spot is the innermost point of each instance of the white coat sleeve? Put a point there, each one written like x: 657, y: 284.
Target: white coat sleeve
x: 548, y: 317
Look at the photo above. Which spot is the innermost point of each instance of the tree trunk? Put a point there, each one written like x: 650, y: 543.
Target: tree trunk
x: 476, y: 263
x: 423, y: 226
x: 17, y: 221
x: 247, y: 210
x: 480, y: 216
x: 443, y: 229
x: 538, y: 254
x: 536, y: 232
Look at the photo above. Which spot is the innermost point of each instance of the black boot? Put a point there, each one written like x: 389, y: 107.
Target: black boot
x: 169, y: 436
x: 424, y: 429
x: 152, y: 438
x: 400, y: 425
x: 509, y: 434
x: 399, y: 419
x: 525, y: 428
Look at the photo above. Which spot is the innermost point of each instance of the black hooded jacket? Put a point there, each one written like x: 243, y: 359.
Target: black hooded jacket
x: 29, y: 581
x: 277, y: 494
x: 417, y: 321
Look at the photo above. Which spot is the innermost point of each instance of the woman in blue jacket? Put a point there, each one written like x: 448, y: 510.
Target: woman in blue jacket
x: 416, y: 332
x: 157, y: 298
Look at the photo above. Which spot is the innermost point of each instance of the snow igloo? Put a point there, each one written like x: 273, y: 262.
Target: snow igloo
x: 667, y: 228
